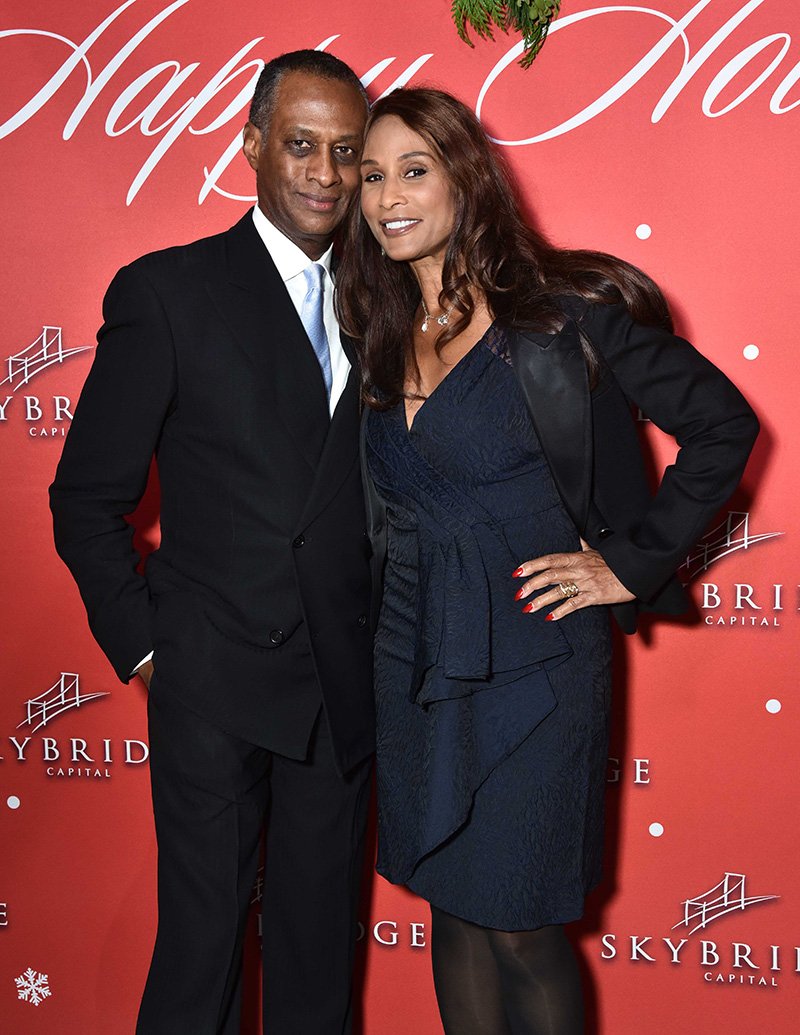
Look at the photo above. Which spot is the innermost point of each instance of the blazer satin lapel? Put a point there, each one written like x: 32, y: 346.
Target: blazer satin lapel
x: 553, y: 377
x: 255, y: 305
x: 349, y: 349
x: 340, y: 451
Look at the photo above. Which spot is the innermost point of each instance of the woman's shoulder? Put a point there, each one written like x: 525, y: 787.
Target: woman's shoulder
x: 573, y: 306
x: 581, y: 307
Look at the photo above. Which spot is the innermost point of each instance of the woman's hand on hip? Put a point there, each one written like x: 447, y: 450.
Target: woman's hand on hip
x: 570, y: 580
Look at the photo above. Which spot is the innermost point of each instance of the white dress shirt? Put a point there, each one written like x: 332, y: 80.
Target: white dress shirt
x: 290, y: 261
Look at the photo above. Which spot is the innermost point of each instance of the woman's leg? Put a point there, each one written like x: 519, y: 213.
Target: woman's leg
x: 468, y: 988
x: 504, y: 982
x: 540, y: 980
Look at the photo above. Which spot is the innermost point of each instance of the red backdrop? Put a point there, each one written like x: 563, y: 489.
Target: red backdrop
x: 662, y: 133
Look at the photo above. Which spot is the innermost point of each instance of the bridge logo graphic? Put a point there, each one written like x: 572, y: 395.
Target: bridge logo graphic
x: 730, y: 535
x: 62, y: 696
x: 726, y: 897
x: 46, y: 351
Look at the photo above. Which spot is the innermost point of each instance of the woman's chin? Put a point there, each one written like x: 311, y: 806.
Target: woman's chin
x: 400, y: 251
x: 407, y: 251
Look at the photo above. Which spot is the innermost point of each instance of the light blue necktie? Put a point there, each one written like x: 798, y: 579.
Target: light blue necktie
x: 311, y: 316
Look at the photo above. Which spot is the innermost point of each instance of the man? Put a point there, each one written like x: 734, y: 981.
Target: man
x: 223, y: 358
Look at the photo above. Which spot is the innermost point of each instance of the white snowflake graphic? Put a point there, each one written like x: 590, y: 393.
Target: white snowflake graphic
x: 32, y: 987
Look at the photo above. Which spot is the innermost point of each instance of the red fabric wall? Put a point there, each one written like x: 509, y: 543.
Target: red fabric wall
x: 665, y: 133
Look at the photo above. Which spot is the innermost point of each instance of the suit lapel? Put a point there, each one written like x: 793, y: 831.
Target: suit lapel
x: 257, y: 308
x: 349, y: 348
x: 340, y: 452
x: 552, y: 373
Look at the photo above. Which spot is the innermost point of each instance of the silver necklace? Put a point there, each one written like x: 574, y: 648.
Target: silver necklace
x: 442, y: 320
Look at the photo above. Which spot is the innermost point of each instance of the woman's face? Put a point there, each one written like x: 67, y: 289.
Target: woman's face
x: 405, y: 195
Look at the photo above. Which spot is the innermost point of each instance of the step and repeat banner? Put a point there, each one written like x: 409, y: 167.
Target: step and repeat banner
x: 665, y: 132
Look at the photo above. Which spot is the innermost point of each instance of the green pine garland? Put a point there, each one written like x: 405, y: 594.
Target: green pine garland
x: 530, y: 17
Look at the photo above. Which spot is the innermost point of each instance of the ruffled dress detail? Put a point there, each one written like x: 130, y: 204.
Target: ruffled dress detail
x: 473, y: 695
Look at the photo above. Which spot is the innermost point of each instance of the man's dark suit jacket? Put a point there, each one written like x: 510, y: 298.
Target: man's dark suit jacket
x: 256, y: 601
x: 588, y: 435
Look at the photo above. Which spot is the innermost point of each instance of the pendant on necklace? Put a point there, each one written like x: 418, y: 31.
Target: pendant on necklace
x: 442, y: 320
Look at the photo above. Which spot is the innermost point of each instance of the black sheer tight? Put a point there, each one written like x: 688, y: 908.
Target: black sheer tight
x: 466, y: 977
x: 504, y: 982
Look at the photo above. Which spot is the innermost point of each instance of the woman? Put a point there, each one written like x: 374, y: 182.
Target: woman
x: 509, y: 495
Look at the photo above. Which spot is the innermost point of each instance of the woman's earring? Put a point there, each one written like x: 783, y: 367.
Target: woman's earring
x: 383, y: 251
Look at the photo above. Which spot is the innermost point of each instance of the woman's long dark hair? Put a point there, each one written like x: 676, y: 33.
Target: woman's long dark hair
x: 491, y: 251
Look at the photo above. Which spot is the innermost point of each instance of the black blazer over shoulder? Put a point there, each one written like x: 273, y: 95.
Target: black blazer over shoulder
x: 589, y: 438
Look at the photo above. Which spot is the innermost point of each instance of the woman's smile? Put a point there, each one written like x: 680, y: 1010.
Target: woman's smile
x: 395, y: 227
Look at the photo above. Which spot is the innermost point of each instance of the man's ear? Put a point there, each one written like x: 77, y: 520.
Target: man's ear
x: 251, y: 143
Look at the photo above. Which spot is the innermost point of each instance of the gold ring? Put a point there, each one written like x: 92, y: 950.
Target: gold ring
x: 568, y: 589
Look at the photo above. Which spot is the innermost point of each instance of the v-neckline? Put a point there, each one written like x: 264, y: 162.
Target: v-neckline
x: 450, y: 372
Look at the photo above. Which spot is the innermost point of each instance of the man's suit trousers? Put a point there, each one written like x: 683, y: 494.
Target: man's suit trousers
x: 212, y: 795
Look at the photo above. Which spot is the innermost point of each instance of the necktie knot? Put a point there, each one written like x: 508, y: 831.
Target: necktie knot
x: 312, y: 316
x: 315, y: 279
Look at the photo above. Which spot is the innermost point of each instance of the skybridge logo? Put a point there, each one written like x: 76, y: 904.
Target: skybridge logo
x: 726, y: 897
x: 68, y: 757
x: 62, y: 696
x: 45, y: 416
x: 738, y: 605
x: 717, y: 962
x: 731, y: 535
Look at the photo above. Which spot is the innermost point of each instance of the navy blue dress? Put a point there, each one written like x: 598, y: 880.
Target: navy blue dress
x: 492, y: 723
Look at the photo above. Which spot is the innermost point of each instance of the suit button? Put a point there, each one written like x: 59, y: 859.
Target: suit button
x: 298, y: 541
x: 362, y: 620
x: 605, y: 532
x: 276, y: 637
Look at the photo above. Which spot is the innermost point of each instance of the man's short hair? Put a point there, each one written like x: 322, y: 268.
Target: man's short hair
x: 312, y: 62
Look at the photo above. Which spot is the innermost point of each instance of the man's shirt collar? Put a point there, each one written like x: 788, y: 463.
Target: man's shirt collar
x: 288, y: 258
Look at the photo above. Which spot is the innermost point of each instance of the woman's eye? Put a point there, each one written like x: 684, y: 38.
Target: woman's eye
x: 372, y: 178
x: 416, y: 171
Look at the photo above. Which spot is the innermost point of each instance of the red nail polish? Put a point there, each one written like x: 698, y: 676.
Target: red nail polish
x: 550, y: 617
x: 528, y: 608
x: 518, y: 594
x: 517, y: 573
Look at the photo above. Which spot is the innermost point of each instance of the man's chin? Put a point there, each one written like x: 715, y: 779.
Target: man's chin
x: 320, y: 226
x: 320, y: 232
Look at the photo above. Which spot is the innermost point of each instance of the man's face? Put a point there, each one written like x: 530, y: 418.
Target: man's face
x: 307, y: 161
